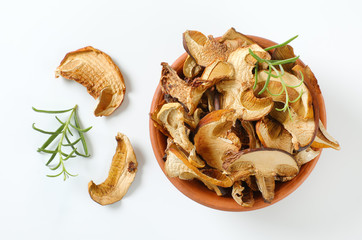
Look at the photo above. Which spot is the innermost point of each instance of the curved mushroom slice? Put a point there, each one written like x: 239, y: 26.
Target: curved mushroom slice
x: 204, y: 50
x: 265, y: 165
x: 242, y: 195
x: 209, y: 176
x: 211, y: 138
x: 306, y: 155
x: 324, y: 140
x: 190, y: 68
x: 121, y: 174
x: 303, y: 107
x: 99, y: 74
x: 171, y: 117
x: 233, y: 39
x: 188, y: 93
x: 249, y: 128
x: 303, y: 131
x: 282, y: 53
x: 218, y: 70
x: 273, y: 135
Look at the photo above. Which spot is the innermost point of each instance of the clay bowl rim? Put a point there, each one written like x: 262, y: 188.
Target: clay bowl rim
x: 196, y: 190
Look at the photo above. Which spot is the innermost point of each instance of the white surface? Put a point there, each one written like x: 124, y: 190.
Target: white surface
x: 34, y: 37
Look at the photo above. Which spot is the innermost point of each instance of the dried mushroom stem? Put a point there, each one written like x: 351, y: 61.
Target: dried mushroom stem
x: 121, y: 174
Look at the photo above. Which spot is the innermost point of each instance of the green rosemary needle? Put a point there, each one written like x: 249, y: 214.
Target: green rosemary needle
x: 62, y: 135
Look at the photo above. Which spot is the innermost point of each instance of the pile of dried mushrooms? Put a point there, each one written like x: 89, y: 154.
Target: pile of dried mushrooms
x: 221, y: 132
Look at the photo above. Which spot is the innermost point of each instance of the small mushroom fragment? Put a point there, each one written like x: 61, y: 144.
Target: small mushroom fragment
x: 253, y: 140
x: 265, y: 164
x: 306, y: 155
x: 188, y: 93
x: 233, y: 39
x: 303, y: 107
x: 273, y: 135
x: 218, y: 70
x: 99, y: 74
x: 282, y: 53
x: 190, y: 68
x: 303, y: 131
x: 204, y: 50
x: 121, y: 174
x: 211, y: 139
x: 207, y: 176
x: 242, y: 195
x: 324, y: 140
x: 172, y: 117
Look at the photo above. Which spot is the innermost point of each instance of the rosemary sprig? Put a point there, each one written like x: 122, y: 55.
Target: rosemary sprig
x: 62, y: 134
x: 279, y: 74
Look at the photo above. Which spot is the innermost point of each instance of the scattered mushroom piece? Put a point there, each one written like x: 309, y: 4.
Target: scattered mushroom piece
x: 242, y: 195
x: 303, y: 131
x: 233, y: 39
x: 190, y: 68
x: 284, y: 52
x: 273, y: 135
x: 265, y: 165
x: 205, y: 50
x: 121, y: 174
x: 253, y: 140
x: 324, y: 140
x: 99, y: 74
x: 211, y: 138
x: 303, y: 107
x: 306, y: 155
x: 188, y: 93
x: 218, y: 70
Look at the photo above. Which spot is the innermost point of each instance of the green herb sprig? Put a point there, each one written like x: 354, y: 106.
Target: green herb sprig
x: 62, y: 134
x: 279, y: 74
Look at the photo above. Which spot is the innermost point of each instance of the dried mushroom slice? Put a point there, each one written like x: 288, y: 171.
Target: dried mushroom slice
x: 265, y: 164
x: 273, y: 135
x: 211, y: 139
x: 218, y: 70
x: 303, y: 131
x: 205, y: 50
x: 233, y: 39
x: 121, y: 174
x: 242, y: 195
x: 208, y: 176
x: 190, y: 68
x: 306, y: 155
x: 188, y: 93
x: 324, y: 140
x: 253, y: 140
x: 99, y: 74
x: 284, y: 52
x: 172, y: 117
x: 303, y: 107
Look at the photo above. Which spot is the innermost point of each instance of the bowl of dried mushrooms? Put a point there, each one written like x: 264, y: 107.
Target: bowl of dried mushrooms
x: 237, y: 123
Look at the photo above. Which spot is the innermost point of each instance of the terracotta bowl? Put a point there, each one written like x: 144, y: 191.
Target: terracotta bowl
x: 195, y: 190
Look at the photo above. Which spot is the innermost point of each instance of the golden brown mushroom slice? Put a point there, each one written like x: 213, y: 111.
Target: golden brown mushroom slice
x: 306, y: 155
x: 324, y: 140
x: 284, y: 52
x: 190, y: 68
x: 233, y: 39
x: 303, y: 131
x: 211, y: 139
x: 242, y: 195
x: 188, y: 93
x: 205, y: 50
x: 249, y: 128
x: 265, y: 164
x: 273, y: 135
x: 218, y: 70
x: 303, y: 107
x: 171, y: 117
x: 99, y: 74
x: 121, y: 174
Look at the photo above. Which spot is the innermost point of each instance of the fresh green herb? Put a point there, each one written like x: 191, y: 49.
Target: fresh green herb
x: 62, y: 135
x: 278, y: 74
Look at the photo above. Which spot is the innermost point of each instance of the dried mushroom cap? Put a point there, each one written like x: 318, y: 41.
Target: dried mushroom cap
x: 273, y: 135
x: 284, y: 52
x: 265, y: 165
x: 218, y: 70
x: 303, y: 131
x: 324, y: 140
x: 99, y: 74
x: 211, y: 138
x: 303, y: 107
x: 205, y: 50
x: 188, y: 93
x: 234, y: 39
x: 242, y: 195
x: 306, y: 155
x: 190, y: 68
x: 207, y: 176
x: 121, y: 174
x: 171, y: 117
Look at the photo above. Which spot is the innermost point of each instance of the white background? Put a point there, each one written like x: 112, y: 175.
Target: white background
x: 138, y: 35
